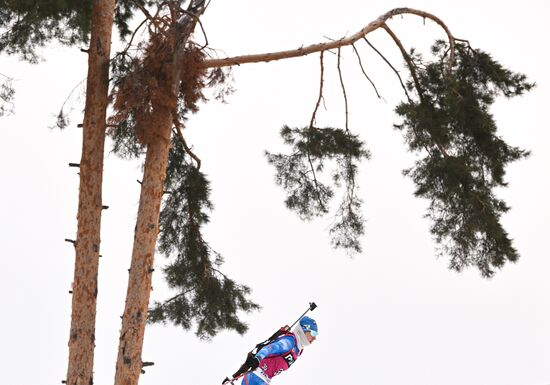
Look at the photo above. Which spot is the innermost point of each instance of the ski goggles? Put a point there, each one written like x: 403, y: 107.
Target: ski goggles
x: 313, y: 333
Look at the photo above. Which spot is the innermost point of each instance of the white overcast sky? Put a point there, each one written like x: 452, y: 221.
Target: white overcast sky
x: 393, y: 315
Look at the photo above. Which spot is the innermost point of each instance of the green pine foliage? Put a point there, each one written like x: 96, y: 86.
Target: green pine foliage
x: 462, y: 160
x: 125, y: 143
x: 205, y: 297
x: 300, y: 174
x: 26, y: 25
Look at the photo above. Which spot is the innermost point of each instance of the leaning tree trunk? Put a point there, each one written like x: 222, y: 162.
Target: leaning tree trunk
x: 129, y: 362
x: 82, y: 334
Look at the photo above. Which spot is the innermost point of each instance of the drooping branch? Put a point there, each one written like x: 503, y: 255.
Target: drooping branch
x: 153, y: 20
x: 407, y: 60
x: 414, y: 76
x: 311, y: 128
x: 192, y: 15
x: 303, y: 51
x: 343, y: 90
x: 179, y: 134
x: 364, y: 72
x: 62, y: 119
x: 143, y: 10
x: 313, y: 116
x: 391, y: 66
x: 134, y: 35
x: 350, y: 198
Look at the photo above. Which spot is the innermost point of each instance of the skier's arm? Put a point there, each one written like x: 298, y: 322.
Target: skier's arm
x: 276, y: 348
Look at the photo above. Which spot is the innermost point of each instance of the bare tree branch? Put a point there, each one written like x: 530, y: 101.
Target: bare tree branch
x: 184, y: 143
x: 320, y: 92
x: 365, y: 73
x: 392, y: 67
x: 200, y: 25
x: 302, y: 51
x: 343, y: 89
x: 143, y: 10
x: 311, y: 127
x: 72, y: 92
x: 408, y: 60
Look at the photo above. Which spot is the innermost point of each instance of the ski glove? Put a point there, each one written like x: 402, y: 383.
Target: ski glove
x: 253, y: 362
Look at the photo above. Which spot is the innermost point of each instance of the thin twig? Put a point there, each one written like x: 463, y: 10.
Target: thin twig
x: 461, y: 40
x: 219, y: 272
x: 6, y: 76
x: 311, y: 129
x: 343, y: 89
x: 351, y: 186
x: 125, y: 50
x: 408, y: 60
x: 72, y: 91
x: 143, y: 10
x: 320, y: 92
x: 392, y: 67
x: 134, y: 34
x: 200, y: 25
x: 178, y: 296
x: 161, y: 23
x: 365, y: 73
x: 153, y: 19
x: 179, y: 134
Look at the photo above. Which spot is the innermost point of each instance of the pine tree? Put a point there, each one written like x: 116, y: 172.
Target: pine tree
x: 28, y: 26
x: 169, y: 67
x: 447, y: 122
x: 87, y: 245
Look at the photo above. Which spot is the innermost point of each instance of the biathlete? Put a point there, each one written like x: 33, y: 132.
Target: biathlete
x: 279, y: 355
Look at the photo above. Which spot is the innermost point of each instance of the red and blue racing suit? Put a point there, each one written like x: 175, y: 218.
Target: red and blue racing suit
x: 274, y: 358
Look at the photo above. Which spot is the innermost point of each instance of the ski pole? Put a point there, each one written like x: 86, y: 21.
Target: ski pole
x: 232, y: 380
x: 311, y: 307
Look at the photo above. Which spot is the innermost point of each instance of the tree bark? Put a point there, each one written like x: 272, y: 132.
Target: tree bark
x: 82, y: 333
x: 129, y: 362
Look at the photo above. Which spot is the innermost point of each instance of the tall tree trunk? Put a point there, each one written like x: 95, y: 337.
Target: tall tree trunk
x: 82, y: 333
x: 129, y: 361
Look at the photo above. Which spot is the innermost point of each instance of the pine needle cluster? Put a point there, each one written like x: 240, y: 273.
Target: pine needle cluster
x: 205, y: 296
x: 462, y: 160
x: 300, y: 173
